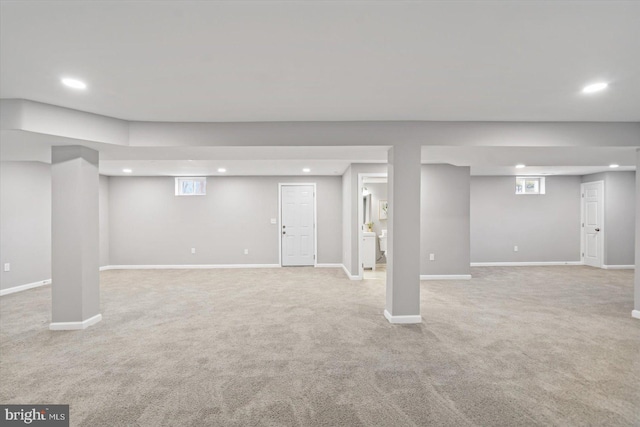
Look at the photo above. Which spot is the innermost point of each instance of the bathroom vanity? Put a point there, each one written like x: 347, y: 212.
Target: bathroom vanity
x: 369, y: 249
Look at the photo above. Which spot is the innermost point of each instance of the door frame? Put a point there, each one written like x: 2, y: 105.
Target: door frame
x: 315, y: 220
x: 601, y: 244
x: 361, y: 177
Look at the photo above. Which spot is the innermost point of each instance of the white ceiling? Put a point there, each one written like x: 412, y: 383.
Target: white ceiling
x: 316, y: 60
x: 326, y: 60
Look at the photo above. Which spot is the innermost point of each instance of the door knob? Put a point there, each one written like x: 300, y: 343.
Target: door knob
x: 284, y: 226
x: 284, y: 232
x: 597, y: 229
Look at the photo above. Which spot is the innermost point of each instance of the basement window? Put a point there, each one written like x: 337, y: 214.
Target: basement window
x: 530, y: 185
x: 191, y: 186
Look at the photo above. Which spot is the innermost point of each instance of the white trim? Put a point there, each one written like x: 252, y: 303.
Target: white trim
x: 524, y: 264
x: 403, y: 320
x: 445, y: 277
x: 315, y: 220
x: 349, y: 275
x: 21, y: 288
x: 107, y: 267
x: 619, y: 267
x: 635, y: 314
x: 73, y: 326
x: 187, y: 266
x: 329, y: 265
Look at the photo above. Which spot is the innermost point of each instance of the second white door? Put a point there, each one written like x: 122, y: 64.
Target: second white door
x: 297, y: 226
x: 593, y: 223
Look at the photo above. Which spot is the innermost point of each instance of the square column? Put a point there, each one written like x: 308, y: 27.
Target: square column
x: 403, y: 235
x: 636, y: 288
x: 75, y: 263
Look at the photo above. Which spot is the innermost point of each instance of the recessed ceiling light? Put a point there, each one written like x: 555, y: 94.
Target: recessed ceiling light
x: 74, y: 83
x: 520, y: 166
x: 596, y: 87
x: 222, y: 170
x: 614, y: 165
x: 127, y: 170
x: 306, y: 170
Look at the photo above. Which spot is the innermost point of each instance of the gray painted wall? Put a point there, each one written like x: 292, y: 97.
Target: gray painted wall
x: 104, y: 220
x: 619, y: 215
x: 25, y: 222
x: 444, y: 201
x: 149, y: 225
x: 444, y: 228
x: 544, y: 227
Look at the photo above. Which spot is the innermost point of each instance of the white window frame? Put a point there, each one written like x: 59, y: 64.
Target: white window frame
x: 180, y: 179
x: 541, y: 185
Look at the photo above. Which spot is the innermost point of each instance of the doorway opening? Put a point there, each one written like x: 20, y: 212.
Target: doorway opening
x: 372, y: 221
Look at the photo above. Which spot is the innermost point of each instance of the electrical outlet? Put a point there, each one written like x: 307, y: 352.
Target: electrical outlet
x: 274, y: 221
x: 432, y: 257
x: 246, y: 251
x: 7, y: 266
x: 193, y: 250
x: 515, y: 249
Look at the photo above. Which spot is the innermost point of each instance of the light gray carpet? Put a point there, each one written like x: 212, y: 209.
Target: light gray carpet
x: 302, y: 346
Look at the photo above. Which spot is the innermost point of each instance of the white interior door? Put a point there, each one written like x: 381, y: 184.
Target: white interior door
x: 298, y: 225
x: 593, y: 223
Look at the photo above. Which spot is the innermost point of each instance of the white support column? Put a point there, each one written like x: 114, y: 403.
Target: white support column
x: 403, y: 230
x: 636, y: 293
x: 75, y: 288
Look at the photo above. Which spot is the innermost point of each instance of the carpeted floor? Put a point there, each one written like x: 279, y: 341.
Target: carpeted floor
x: 301, y: 346
x: 380, y: 273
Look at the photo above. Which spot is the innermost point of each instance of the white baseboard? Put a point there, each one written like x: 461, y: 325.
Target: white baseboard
x: 73, y: 326
x: 329, y: 265
x: 635, y: 314
x: 185, y: 266
x: 20, y: 288
x: 524, y: 264
x: 618, y: 267
x: 445, y: 277
x: 349, y: 275
x: 403, y: 320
